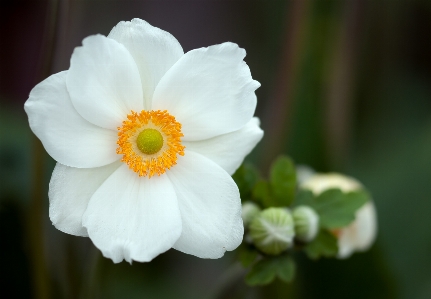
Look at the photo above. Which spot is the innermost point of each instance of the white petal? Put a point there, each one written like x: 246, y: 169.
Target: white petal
x: 209, y: 91
x: 229, y: 150
x: 66, y: 136
x: 133, y: 218
x: 346, y: 245
x: 360, y: 234
x: 320, y: 182
x: 153, y: 50
x: 366, y: 218
x: 70, y: 189
x: 104, y: 82
x: 210, y: 207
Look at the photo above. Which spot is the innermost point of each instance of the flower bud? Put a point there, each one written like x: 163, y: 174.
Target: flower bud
x: 272, y: 231
x: 249, y: 211
x: 306, y: 223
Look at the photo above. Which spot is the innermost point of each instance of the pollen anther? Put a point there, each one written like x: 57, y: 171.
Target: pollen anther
x: 150, y: 142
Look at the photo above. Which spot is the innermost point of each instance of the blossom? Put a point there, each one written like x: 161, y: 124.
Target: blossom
x: 361, y: 233
x: 146, y: 138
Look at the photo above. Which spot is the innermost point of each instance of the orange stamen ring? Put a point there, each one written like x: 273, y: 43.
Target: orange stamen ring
x: 157, y: 163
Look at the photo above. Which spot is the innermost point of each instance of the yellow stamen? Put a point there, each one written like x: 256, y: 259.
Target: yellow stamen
x: 142, y: 148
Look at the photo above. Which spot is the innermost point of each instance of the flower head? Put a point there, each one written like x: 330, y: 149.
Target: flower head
x: 146, y: 138
x: 361, y: 233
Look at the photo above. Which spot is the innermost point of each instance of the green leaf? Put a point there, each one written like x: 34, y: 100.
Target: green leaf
x: 304, y: 197
x: 337, y: 209
x: 265, y: 270
x: 261, y: 194
x: 247, y: 255
x: 283, y: 181
x: 286, y: 269
x: 246, y: 177
x: 325, y: 244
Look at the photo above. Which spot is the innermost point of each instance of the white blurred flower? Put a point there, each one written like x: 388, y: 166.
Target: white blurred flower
x: 146, y: 138
x: 361, y: 233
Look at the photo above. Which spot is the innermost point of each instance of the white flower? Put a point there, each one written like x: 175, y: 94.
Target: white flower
x: 361, y: 233
x: 146, y: 138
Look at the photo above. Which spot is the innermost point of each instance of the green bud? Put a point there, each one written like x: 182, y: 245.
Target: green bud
x: 249, y: 211
x: 306, y: 223
x: 272, y: 231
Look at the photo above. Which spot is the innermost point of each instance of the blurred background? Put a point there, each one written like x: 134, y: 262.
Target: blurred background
x: 346, y: 86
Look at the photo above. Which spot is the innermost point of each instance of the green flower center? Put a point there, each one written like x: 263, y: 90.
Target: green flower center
x: 149, y: 141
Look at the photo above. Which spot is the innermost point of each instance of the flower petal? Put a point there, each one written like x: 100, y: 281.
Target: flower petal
x: 346, y: 242
x: 210, y: 207
x: 133, y: 218
x: 367, y: 226
x: 360, y: 234
x: 229, y: 150
x: 66, y: 136
x: 70, y: 189
x: 104, y: 82
x: 209, y: 90
x: 154, y: 51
